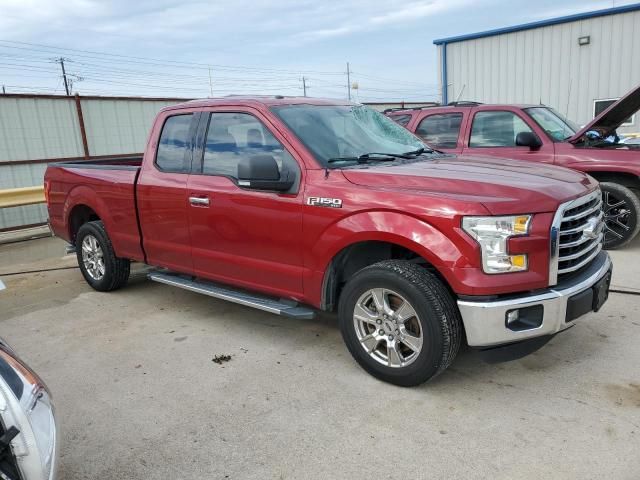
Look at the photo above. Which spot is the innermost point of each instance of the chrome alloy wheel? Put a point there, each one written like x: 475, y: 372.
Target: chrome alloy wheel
x: 616, y: 216
x: 92, y: 257
x: 388, y: 328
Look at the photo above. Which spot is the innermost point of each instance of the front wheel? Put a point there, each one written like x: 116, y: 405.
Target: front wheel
x: 621, y: 208
x: 399, y: 322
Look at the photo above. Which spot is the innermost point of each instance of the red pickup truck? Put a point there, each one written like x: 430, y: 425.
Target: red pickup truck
x: 293, y: 205
x: 540, y: 134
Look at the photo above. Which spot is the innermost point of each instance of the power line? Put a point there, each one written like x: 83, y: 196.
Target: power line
x: 191, y: 78
x: 151, y: 61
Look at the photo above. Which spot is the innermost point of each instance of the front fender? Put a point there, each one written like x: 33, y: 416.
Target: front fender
x: 392, y: 227
x: 400, y: 229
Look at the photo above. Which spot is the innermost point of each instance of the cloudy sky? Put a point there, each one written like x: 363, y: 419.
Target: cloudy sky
x: 171, y: 47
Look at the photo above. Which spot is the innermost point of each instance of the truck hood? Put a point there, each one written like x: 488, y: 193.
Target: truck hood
x: 612, y: 117
x: 502, y: 186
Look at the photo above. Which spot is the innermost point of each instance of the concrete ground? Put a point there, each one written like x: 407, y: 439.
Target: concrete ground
x: 138, y: 396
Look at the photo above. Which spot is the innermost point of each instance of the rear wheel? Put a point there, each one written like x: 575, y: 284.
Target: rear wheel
x: 399, y: 322
x: 621, y: 208
x: 97, y: 259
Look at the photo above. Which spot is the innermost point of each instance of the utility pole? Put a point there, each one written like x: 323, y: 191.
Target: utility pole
x: 210, y: 84
x: 348, y: 82
x: 304, y: 86
x: 64, y: 75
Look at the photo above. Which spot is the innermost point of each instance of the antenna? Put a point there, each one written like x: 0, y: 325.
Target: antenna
x: 348, y: 82
x: 460, y: 94
x: 566, y: 111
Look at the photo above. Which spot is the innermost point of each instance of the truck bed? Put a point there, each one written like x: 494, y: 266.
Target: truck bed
x: 102, y: 189
x: 115, y: 163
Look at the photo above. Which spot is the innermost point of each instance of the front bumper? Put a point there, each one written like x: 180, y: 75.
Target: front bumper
x: 485, y: 322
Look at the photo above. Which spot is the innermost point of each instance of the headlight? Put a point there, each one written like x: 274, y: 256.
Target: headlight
x: 25, y: 403
x: 492, y: 234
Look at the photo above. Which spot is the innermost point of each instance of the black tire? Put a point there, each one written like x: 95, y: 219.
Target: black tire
x: 116, y: 270
x: 437, y: 314
x: 621, y: 209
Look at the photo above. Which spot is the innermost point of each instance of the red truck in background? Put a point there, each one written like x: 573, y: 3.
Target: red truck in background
x: 293, y: 205
x: 540, y: 134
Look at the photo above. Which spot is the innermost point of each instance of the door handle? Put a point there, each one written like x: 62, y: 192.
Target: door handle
x: 199, y: 201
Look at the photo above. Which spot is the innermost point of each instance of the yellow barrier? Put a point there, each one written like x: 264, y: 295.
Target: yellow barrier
x: 16, y: 197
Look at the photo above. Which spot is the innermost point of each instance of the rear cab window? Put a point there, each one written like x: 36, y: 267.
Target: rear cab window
x: 403, y: 119
x: 172, y: 154
x: 440, y: 130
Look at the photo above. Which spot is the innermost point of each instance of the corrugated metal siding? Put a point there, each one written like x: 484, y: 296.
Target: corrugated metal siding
x: 40, y: 128
x: 119, y: 126
x: 21, y: 216
x: 33, y: 128
x: 14, y: 176
x: 547, y: 65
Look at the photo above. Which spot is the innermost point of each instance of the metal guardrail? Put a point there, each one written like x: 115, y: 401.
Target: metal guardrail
x: 17, y: 197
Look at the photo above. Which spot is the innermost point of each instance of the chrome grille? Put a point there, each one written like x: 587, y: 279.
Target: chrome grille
x: 576, y: 235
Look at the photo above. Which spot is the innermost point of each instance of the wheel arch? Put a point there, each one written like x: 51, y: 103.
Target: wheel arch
x: 81, y: 206
x: 78, y: 216
x: 377, y: 236
x: 627, y: 179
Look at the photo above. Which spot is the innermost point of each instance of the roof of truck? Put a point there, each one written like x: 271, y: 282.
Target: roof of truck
x: 469, y: 105
x: 257, y: 100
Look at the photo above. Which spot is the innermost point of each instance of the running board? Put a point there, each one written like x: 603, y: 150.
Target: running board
x: 279, y: 307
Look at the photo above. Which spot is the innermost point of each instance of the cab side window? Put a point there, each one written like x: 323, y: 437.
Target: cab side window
x: 232, y: 136
x: 401, y: 119
x: 173, y: 148
x: 440, y: 130
x: 496, y: 129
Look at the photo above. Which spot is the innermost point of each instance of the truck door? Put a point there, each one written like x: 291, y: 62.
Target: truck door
x: 494, y: 132
x: 161, y: 192
x: 250, y: 238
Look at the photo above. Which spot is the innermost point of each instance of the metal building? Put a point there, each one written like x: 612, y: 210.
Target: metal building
x: 578, y: 64
x: 38, y: 129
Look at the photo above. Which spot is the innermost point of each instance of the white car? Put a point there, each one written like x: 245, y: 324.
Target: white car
x: 28, y: 431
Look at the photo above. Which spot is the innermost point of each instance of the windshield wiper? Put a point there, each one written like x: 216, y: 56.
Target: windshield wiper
x: 371, y: 157
x: 418, y: 152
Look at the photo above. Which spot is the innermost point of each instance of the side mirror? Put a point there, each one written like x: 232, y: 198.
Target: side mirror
x: 261, y: 172
x: 528, y: 139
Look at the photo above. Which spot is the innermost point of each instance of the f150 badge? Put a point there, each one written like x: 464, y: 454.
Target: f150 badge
x: 324, y: 202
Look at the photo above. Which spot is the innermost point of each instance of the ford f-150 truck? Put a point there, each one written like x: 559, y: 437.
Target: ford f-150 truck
x: 293, y: 205
x: 538, y: 133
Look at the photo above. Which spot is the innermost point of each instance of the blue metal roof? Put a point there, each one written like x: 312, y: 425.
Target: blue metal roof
x: 541, y: 23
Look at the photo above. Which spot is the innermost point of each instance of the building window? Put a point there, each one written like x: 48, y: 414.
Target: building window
x: 441, y: 130
x: 600, y: 106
